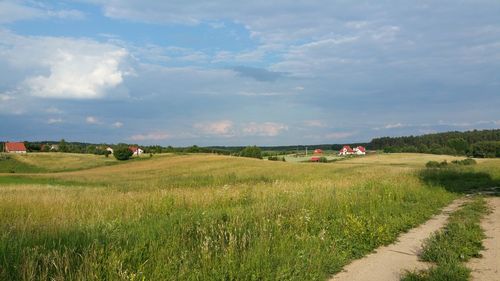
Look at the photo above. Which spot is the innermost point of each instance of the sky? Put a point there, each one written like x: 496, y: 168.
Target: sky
x: 256, y: 72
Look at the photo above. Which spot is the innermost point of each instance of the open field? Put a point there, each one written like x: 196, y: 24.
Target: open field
x: 207, y: 217
x: 303, y: 158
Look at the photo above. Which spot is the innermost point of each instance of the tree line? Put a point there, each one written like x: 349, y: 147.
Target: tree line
x: 476, y: 143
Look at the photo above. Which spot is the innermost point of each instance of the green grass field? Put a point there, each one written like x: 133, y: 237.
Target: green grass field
x: 51, y: 162
x: 207, y: 217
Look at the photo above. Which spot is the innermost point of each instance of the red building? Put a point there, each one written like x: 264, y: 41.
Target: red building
x: 15, y: 147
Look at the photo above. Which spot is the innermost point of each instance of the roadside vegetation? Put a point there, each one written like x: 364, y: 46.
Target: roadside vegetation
x: 451, y: 247
x: 210, y: 217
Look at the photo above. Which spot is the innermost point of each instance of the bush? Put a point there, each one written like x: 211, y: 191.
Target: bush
x: 276, y: 158
x: 465, y: 162
x: 323, y: 159
x: 486, y: 149
x: 436, y: 164
x: 252, y: 152
x: 122, y: 153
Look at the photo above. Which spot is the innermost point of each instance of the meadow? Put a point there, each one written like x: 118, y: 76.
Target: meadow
x: 209, y: 217
x: 51, y: 162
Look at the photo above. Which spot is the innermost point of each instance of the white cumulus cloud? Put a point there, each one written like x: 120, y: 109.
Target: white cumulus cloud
x: 117, y: 124
x: 79, y: 76
x: 221, y: 128
x: 65, y: 68
x: 92, y: 120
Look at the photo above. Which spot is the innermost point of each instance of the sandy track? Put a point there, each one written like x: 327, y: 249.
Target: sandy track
x: 487, y: 268
x: 389, y: 262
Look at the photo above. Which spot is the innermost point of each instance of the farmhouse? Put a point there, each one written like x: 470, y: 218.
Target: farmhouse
x: 110, y: 150
x: 15, y: 147
x: 347, y: 150
x: 136, y: 150
x: 359, y: 150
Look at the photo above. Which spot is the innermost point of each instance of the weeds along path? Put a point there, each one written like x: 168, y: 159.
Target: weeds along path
x: 390, y: 262
x: 488, y: 267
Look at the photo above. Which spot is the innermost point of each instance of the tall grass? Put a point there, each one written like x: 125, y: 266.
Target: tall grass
x: 207, y: 218
x: 51, y: 162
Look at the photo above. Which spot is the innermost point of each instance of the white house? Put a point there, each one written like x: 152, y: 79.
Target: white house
x: 359, y: 150
x: 109, y: 149
x: 346, y: 150
x: 136, y: 151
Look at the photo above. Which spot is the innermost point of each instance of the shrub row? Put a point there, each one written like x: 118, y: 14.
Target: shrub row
x: 436, y: 164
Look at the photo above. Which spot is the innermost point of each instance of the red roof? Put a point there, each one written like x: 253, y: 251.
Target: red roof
x: 315, y: 158
x: 318, y: 151
x: 15, y: 146
x: 362, y: 149
x: 133, y: 148
x: 348, y: 148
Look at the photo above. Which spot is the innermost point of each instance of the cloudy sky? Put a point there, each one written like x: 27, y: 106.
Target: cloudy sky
x: 259, y: 72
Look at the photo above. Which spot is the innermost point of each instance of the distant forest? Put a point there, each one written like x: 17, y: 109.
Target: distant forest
x: 484, y: 143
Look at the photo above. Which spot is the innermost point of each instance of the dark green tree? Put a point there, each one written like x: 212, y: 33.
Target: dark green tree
x: 459, y: 145
x: 252, y: 152
x: 486, y: 149
x: 63, y: 146
x: 193, y: 149
x: 122, y: 153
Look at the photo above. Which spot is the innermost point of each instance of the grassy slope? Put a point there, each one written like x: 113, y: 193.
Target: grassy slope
x: 210, y: 217
x: 52, y: 162
x: 10, y: 164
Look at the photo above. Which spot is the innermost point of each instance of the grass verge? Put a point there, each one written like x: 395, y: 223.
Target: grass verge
x: 449, y: 248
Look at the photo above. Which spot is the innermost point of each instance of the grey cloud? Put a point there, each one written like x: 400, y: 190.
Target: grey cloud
x: 259, y: 74
x: 11, y: 11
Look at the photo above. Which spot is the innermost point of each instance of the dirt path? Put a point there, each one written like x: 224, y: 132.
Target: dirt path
x: 388, y: 262
x: 487, y: 268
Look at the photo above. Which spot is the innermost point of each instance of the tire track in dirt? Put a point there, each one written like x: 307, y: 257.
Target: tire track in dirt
x: 390, y: 262
x: 487, y: 268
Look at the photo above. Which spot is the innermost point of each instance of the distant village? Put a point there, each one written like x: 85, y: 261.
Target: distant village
x: 19, y: 147
x: 346, y: 150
